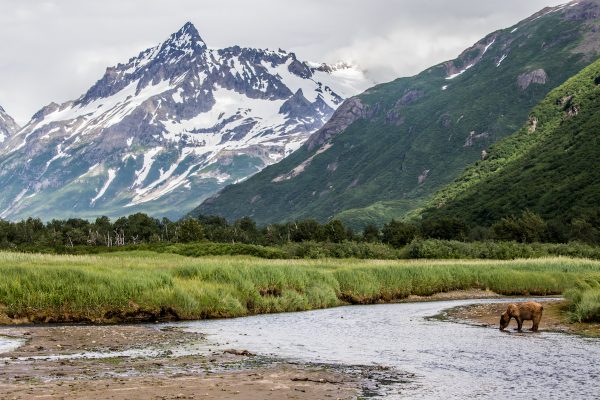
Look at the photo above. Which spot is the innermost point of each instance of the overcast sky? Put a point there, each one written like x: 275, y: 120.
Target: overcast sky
x: 55, y: 50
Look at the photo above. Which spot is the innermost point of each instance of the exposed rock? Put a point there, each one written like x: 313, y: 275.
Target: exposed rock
x: 331, y: 167
x: 350, y: 111
x: 394, y: 115
x: 470, y: 141
x: 470, y: 57
x: 569, y: 106
x: 484, y: 155
x: 8, y: 126
x: 538, y: 76
x: 255, y: 199
x: 300, y: 69
x: 583, y: 11
x: 298, y: 106
x: 533, y: 123
x: 572, y: 111
x: 423, y: 176
x: 565, y: 101
x: 409, y: 97
x: 300, y: 168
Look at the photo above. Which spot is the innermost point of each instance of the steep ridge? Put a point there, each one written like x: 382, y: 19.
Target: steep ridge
x: 8, y: 126
x: 168, y: 128
x: 550, y: 166
x: 384, y: 152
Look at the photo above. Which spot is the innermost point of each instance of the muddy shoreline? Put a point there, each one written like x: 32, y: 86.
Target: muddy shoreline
x: 136, y: 362
x: 153, y: 361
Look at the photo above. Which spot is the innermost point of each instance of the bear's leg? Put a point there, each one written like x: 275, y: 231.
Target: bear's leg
x: 519, y: 324
x: 536, y: 323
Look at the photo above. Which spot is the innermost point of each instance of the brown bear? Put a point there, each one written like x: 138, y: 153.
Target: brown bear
x: 522, y: 312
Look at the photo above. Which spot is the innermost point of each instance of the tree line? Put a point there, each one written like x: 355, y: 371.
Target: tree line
x: 140, y: 228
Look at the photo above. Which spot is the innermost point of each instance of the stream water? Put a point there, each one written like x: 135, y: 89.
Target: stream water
x: 9, y: 344
x: 449, y: 360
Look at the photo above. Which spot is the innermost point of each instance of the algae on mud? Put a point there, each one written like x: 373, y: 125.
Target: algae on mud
x: 147, y: 286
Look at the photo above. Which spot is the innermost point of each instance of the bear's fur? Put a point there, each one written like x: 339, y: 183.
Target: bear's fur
x: 529, y: 311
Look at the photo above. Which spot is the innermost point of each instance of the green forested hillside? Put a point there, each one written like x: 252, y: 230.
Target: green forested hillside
x: 551, y: 166
x: 388, y: 150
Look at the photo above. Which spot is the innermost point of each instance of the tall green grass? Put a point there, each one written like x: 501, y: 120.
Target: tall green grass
x: 585, y: 301
x: 149, y: 286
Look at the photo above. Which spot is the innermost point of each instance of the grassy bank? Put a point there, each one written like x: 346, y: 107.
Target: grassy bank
x: 585, y: 302
x: 148, y: 286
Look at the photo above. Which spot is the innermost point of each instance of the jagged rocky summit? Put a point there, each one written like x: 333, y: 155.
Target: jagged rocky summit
x: 168, y: 128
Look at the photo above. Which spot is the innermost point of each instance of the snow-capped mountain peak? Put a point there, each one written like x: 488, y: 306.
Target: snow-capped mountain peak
x: 168, y: 128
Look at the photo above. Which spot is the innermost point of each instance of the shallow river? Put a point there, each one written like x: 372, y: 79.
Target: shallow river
x: 9, y: 344
x: 448, y: 360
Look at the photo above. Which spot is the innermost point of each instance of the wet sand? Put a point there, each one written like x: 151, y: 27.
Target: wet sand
x: 554, y: 318
x: 44, y: 367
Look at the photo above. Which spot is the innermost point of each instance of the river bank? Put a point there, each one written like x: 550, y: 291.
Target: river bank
x: 147, y: 362
x: 555, y: 318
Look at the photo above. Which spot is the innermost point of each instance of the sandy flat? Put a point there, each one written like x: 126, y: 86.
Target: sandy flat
x: 33, y: 372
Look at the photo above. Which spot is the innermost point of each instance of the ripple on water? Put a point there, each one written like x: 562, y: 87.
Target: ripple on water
x: 8, y: 344
x: 450, y: 360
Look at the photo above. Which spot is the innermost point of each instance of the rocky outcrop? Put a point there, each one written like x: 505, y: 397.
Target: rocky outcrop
x: 421, y: 179
x: 532, y: 124
x: 394, y: 116
x: 586, y: 10
x: 8, y: 126
x: 409, y: 97
x: 538, y: 76
x: 569, y: 106
x: 473, y: 137
x: 350, y: 111
x: 470, y: 57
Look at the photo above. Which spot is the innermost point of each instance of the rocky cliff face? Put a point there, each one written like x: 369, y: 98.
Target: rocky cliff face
x: 168, y: 128
x: 8, y: 126
x: 385, y: 151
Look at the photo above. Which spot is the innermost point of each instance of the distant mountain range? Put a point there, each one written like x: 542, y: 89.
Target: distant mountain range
x: 167, y: 129
x: 387, y: 151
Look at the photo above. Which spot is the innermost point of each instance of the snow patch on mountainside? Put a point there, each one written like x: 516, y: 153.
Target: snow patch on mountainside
x: 179, y: 121
x: 112, y: 174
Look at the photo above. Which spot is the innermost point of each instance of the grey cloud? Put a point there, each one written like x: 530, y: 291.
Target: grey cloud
x: 54, y: 50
